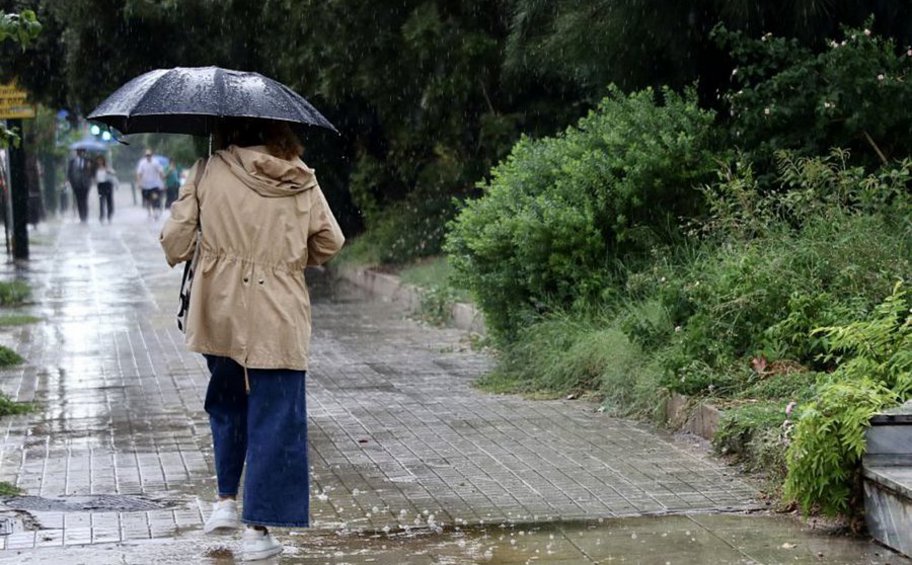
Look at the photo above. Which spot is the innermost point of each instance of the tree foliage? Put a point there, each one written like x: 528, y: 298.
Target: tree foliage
x: 429, y: 95
x: 418, y: 87
x: 21, y: 28
x: 851, y: 95
x: 637, y: 43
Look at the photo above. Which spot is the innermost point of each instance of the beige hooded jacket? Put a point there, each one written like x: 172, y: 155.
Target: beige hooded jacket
x: 263, y: 220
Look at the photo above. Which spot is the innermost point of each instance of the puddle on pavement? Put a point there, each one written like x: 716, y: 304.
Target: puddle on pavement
x: 717, y: 539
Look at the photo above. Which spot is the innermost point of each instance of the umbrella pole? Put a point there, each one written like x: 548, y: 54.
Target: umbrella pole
x: 210, y: 145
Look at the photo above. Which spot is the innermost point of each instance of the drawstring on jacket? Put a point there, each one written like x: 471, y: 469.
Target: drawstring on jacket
x: 246, y: 377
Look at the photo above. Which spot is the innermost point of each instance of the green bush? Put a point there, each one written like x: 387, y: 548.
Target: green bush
x: 819, y: 252
x: 437, y: 303
x: 874, y: 358
x: 559, y: 213
x: 741, y: 424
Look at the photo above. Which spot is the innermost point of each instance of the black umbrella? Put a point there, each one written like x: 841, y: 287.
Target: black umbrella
x: 191, y: 100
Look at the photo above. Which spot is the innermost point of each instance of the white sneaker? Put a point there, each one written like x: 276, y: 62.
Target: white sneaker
x: 258, y: 544
x: 224, y: 517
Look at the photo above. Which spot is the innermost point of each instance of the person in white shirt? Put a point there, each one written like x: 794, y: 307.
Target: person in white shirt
x: 104, y: 182
x: 149, y: 175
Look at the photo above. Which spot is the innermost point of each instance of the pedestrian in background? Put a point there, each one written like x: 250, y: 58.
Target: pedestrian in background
x: 172, y: 184
x: 104, y: 183
x: 149, y: 175
x: 263, y: 219
x: 79, y: 174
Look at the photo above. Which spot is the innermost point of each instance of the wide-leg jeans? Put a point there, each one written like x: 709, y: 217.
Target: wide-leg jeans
x: 267, y: 429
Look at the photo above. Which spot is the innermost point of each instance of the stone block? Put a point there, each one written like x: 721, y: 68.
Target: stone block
x: 889, y: 439
x: 888, y: 512
x: 701, y: 419
x: 887, y: 467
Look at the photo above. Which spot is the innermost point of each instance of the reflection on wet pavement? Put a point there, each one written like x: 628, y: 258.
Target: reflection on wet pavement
x: 679, y: 540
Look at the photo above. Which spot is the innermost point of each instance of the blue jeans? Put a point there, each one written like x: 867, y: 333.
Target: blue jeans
x: 268, y: 429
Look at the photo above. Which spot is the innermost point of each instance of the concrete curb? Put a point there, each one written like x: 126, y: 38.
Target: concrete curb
x: 389, y: 287
x: 700, y: 419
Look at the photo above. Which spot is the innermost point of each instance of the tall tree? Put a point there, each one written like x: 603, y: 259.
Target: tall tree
x: 637, y: 43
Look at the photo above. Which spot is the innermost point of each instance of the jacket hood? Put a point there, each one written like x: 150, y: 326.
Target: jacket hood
x: 267, y: 175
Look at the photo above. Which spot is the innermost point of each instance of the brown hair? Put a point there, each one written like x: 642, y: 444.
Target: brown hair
x: 278, y: 137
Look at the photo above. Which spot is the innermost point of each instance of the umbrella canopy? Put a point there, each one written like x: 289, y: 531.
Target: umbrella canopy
x: 191, y: 100
x: 89, y: 144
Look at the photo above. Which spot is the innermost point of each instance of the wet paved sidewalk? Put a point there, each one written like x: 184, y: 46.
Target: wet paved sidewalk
x: 119, y: 450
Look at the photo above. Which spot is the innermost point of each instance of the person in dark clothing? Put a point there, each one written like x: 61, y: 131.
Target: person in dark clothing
x: 79, y: 173
x: 104, y: 182
x: 172, y: 184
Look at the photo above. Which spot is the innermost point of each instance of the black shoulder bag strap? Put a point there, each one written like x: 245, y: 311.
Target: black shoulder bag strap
x: 190, y: 266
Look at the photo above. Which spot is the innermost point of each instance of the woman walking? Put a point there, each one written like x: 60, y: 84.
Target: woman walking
x: 263, y: 219
x: 104, y: 182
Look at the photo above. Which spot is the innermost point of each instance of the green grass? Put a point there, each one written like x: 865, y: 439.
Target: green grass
x: 13, y: 293
x: 9, y: 406
x: 17, y: 320
x: 359, y: 252
x: 586, y: 357
x: 433, y: 276
x: 428, y: 273
x: 9, y: 489
x: 8, y: 357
